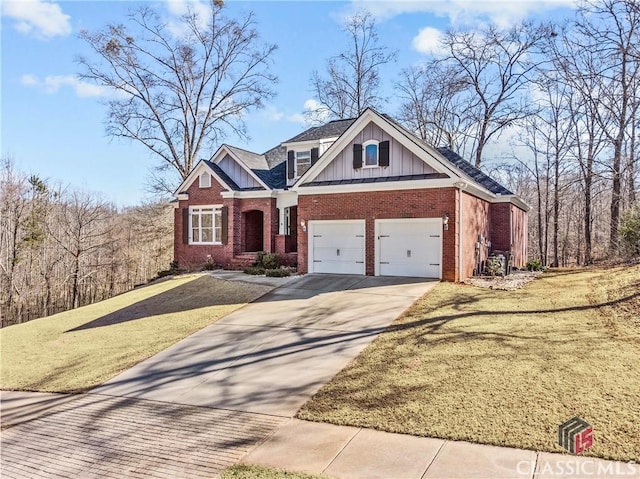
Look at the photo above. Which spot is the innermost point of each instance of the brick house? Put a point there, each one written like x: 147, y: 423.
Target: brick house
x: 360, y: 196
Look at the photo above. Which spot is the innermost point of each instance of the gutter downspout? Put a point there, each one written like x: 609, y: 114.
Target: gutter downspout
x: 461, y: 185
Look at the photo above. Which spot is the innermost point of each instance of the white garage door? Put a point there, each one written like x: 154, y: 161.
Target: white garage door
x: 336, y: 247
x: 409, y: 247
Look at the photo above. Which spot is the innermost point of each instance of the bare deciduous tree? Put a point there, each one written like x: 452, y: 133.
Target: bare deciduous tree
x: 610, y: 29
x: 431, y: 104
x: 179, y: 88
x: 352, y: 79
x: 495, y: 65
x: 61, y: 248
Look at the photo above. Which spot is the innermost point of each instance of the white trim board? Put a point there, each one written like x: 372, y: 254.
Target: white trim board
x: 195, y: 173
x: 217, y: 158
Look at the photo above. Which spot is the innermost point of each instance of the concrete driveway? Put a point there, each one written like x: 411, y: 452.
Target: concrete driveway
x: 203, y: 404
x: 271, y: 356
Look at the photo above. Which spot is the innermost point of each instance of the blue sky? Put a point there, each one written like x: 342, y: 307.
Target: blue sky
x: 52, y: 124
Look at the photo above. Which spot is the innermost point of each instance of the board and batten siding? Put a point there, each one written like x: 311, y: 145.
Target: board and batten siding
x: 401, y: 161
x: 237, y: 173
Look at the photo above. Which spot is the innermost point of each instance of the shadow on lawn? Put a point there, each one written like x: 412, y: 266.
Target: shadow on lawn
x: 196, y: 294
x: 224, y: 362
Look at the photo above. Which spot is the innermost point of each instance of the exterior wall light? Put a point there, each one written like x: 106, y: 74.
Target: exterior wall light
x: 303, y: 223
x: 445, y: 221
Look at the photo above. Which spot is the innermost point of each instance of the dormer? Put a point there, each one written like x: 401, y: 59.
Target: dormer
x: 302, y: 155
x: 304, y: 149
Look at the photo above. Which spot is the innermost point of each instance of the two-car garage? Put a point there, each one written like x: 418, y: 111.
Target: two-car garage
x: 403, y: 247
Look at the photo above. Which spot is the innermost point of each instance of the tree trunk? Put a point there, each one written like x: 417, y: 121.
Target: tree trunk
x: 615, y: 197
x: 556, y: 210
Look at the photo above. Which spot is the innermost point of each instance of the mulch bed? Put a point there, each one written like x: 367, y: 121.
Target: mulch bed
x: 515, y: 280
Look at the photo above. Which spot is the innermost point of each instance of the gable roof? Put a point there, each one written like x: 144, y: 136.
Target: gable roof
x: 432, y: 157
x: 328, y: 130
x: 467, y: 168
x: 446, y: 158
x: 211, y: 168
x: 269, y: 168
x: 252, y: 160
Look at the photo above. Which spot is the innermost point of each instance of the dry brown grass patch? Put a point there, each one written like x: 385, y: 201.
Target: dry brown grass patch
x: 78, y: 349
x: 504, y: 367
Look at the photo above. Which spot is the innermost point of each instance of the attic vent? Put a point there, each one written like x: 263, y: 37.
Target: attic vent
x: 205, y: 180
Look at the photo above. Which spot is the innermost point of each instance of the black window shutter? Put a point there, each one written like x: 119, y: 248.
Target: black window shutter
x: 315, y: 153
x: 291, y: 164
x: 224, y: 223
x: 357, y: 156
x: 383, y: 153
x: 185, y: 225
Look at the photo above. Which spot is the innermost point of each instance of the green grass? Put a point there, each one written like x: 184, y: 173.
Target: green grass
x: 79, y: 349
x: 504, y: 367
x: 247, y: 471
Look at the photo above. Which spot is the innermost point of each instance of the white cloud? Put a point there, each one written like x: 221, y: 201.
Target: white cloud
x: 29, y: 80
x: 272, y: 113
x: 429, y: 41
x: 464, y: 12
x: 177, y: 8
x: 38, y: 17
x: 316, y: 111
x: 53, y: 83
x: 298, y: 118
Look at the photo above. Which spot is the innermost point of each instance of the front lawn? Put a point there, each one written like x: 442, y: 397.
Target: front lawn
x: 248, y: 471
x: 79, y: 349
x: 504, y: 367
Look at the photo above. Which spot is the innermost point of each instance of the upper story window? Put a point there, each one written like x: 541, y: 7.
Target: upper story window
x: 303, y: 162
x: 205, y: 225
x: 370, y: 153
x: 205, y: 180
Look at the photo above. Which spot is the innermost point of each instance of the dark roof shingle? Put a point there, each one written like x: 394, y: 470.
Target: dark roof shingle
x: 328, y: 130
x: 381, y: 179
x: 474, y: 173
x: 270, y: 167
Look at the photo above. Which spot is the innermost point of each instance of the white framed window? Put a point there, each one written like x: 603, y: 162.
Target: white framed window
x: 205, y: 224
x: 371, y: 154
x: 205, y: 180
x: 303, y: 162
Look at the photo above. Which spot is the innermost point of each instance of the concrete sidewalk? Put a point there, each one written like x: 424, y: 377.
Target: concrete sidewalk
x: 356, y: 453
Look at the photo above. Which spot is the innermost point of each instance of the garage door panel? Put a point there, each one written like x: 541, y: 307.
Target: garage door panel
x: 405, y: 254
x: 409, y: 248
x: 421, y: 270
x: 338, y: 267
x: 337, y: 254
x: 337, y: 247
x: 338, y: 241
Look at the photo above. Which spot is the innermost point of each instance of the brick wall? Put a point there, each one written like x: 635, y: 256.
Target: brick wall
x: 476, y: 223
x: 520, y: 236
x: 194, y: 256
x: 509, y: 231
x: 501, y: 226
x: 492, y: 221
x: 424, y: 203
